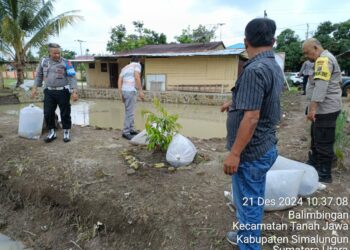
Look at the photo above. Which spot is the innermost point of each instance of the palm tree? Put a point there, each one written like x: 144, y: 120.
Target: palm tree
x: 26, y: 24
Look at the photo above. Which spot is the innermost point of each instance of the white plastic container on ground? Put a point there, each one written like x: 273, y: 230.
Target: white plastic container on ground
x: 286, y: 182
x: 282, y: 187
x: 30, y: 122
x: 309, y: 182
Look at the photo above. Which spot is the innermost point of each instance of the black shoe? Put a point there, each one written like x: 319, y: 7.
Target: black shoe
x: 325, y: 173
x: 128, y: 136
x: 51, y: 136
x: 134, y: 132
x: 66, y: 135
x: 325, y: 179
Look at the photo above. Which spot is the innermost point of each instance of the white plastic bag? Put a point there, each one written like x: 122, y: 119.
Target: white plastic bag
x: 30, y: 122
x: 309, y: 182
x: 282, y: 187
x: 281, y: 190
x: 181, y: 151
x: 140, y: 138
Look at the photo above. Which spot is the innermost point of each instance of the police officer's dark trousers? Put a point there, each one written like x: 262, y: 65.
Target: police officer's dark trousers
x: 52, y: 98
x: 322, y: 142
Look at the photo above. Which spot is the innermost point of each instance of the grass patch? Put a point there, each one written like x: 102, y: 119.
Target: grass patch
x: 293, y: 90
x: 342, y: 140
x: 10, y: 83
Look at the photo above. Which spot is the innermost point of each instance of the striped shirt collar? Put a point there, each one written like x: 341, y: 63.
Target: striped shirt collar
x: 265, y: 54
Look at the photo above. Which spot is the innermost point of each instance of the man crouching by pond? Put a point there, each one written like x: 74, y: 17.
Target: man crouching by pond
x: 251, y: 123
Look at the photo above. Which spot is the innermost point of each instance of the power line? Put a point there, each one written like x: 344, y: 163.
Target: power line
x: 307, y: 31
x: 221, y: 24
x: 80, y: 42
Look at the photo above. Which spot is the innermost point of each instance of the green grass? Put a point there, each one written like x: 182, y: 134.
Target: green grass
x: 10, y: 83
x: 293, y: 90
x: 342, y: 140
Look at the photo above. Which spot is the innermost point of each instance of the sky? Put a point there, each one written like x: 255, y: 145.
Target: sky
x: 171, y: 16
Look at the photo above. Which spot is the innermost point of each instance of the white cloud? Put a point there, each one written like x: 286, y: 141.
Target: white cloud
x: 171, y: 16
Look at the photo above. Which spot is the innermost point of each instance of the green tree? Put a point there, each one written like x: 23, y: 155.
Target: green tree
x: 68, y: 54
x: 199, y: 35
x: 121, y: 41
x: 43, y: 51
x: 26, y: 24
x: 30, y: 56
x: 324, y: 34
x: 336, y: 39
x: 290, y: 43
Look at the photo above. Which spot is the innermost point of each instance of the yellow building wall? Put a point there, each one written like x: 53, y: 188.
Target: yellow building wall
x: 200, y: 70
x: 97, y: 79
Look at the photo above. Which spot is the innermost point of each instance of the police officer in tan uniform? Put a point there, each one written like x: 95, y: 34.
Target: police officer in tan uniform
x: 324, y: 94
x: 60, y: 83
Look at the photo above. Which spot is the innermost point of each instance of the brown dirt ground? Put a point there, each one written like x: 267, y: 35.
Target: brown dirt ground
x: 52, y: 196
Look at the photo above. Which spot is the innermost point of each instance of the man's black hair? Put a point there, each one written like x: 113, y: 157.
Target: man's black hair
x: 135, y: 59
x: 260, y: 32
x: 54, y: 46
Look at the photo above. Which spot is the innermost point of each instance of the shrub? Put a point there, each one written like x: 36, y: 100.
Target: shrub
x: 160, y: 127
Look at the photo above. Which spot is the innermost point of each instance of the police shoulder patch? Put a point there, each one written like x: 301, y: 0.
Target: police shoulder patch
x: 322, y: 71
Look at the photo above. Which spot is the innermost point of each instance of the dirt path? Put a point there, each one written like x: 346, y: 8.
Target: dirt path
x: 84, y: 193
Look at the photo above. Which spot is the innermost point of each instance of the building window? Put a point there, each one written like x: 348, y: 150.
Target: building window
x: 155, y: 82
x: 91, y: 65
x: 103, y: 67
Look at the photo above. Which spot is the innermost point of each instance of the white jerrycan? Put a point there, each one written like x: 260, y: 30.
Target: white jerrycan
x: 30, y: 122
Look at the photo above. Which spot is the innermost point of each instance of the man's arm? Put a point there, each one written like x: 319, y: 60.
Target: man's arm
x: 249, y: 98
x: 225, y: 106
x: 244, y: 135
x: 322, y: 77
x: 139, y: 85
x: 120, y: 85
x: 72, y: 80
x: 302, y: 69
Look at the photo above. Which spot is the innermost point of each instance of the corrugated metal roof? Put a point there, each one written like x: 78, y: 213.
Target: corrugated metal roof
x: 223, y: 52
x: 174, y: 48
x: 83, y: 59
x: 236, y: 46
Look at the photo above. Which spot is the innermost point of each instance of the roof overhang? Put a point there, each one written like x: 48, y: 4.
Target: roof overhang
x: 82, y: 60
x: 224, y: 52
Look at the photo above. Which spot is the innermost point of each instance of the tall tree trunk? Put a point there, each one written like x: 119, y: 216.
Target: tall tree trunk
x: 20, y: 64
x: 1, y: 80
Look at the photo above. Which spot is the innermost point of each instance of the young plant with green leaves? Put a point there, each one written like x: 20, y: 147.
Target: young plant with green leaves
x: 160, y: 127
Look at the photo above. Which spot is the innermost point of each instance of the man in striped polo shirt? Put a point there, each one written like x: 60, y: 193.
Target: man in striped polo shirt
x: 251, y: 123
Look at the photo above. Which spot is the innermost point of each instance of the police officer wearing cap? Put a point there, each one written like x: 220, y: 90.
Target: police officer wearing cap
x: 58, y: 75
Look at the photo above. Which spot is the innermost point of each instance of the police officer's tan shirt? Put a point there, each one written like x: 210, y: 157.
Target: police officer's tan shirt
x: 325, y: 88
